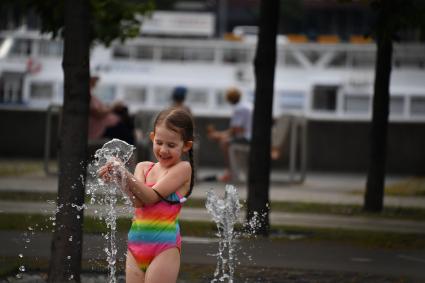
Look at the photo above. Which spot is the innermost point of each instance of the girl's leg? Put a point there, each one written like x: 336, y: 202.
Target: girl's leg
x: 133, y: 274
x: 164, y: 268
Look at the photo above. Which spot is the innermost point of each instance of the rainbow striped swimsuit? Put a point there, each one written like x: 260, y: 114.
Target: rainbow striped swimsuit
x: 154, y: 228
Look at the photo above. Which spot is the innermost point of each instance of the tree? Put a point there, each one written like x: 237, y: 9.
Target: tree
x: 391, y: 16
x: 373, y: 200
x: 65, y: 261
x: 81, y: 23
x: 259, y: 160
x: 103, y: 20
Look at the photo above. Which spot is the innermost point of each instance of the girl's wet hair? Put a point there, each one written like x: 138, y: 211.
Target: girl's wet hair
x: 180, y: 121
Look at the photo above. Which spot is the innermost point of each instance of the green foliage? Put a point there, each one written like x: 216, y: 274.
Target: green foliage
x: 117, y: 19
x: 292, y: 10
x: 399, y: 14
x: 110, y: 19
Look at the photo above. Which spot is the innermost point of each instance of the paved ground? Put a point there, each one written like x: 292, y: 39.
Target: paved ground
x: 326, y: 260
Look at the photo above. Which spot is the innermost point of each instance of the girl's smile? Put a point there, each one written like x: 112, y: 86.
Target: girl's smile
x: 168, y: 145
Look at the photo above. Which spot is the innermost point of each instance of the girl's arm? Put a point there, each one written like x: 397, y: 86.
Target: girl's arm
x: 140, y: 173
x: 115, y: 171
x: 171, y: 182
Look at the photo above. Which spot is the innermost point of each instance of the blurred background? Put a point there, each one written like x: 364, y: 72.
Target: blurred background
x: 324, y: 79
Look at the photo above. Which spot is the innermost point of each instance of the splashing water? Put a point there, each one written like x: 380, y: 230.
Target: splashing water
x: 225, y: 213
x: 108, y: 194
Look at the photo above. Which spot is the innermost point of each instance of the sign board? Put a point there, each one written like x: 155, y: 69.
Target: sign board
x: 179, y: 24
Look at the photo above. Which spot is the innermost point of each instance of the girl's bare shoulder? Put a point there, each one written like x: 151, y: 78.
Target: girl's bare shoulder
x: 143, y: 166
x: 183, y: 167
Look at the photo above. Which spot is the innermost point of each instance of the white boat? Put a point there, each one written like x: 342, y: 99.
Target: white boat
x: 318, y: 81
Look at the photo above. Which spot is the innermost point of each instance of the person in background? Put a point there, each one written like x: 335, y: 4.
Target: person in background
x: 108, y: 121
x: 124, y: 129
x: 239, y: 130
x: 178, y: 98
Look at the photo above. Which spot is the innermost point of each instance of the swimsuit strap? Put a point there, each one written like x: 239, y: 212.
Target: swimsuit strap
x: 149, y: 170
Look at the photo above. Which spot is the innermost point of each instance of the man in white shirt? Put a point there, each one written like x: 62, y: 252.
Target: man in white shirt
x: 239, y: 130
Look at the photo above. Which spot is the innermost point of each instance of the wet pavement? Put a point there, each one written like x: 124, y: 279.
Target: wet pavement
x: 279, y: 259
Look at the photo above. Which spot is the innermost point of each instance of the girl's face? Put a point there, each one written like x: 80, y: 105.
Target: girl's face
x: 168, y: 145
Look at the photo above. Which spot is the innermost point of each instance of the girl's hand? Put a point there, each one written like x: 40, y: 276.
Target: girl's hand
x: 112, y: 171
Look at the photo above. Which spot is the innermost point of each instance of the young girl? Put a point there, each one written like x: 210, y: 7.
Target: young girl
x: 158, y: 190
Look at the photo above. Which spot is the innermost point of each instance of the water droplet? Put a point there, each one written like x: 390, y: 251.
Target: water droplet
x: 68, y: 257
x: 21, y: 255
x: 22, y: 268
x: 70, y: 239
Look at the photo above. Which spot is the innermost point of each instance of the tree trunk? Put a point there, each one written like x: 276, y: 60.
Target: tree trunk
x: 373, y: 200
x: 66, y: 251
x: 259, y: 160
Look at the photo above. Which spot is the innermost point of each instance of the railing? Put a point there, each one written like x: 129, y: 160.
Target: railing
x: 51, y: 111
x: 298, y: 140
x: 287, y: 127
x: 304, y: 55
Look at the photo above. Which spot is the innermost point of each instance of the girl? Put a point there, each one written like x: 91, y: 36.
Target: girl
x: 157, y: 191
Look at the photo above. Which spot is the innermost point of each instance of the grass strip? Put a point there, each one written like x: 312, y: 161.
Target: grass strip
x: 360, y: 238
x: 10, y: 168
x: 42, y: 223
x: 414, y: 186
x: 375, y: 239
x: 403, y: 213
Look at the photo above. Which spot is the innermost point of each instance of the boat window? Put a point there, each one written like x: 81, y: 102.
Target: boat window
x: 199, y: 54
x: 291, y: 100
x: 339, y: 59
x: 236, y: 55
x: 135, y: 94
x: 324, y: 98
x: 356, y: 103
x: 197, y: 97
x: 162, y: 96
x: 50, y: 48
x: 106, y: 93
x: 396, y: 105
x: 11, y: 87
x: 417, y: 106
x: 41, y: 91
x: 409, y: 58
x: 362, y: 59
x: 172, y: 53
x: 221, y: 102
x: 287, y: 58
x: 21, y: 47
x: 144, y: 52
x: 121, y: 51
x: 311, y: 55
